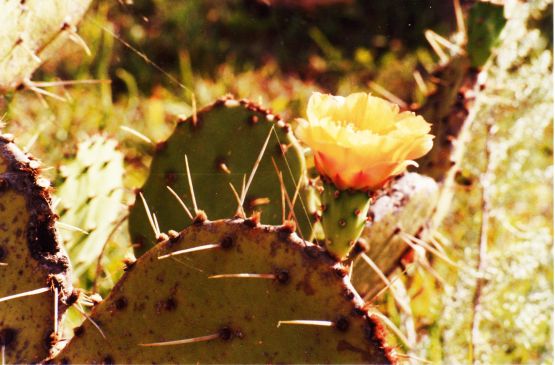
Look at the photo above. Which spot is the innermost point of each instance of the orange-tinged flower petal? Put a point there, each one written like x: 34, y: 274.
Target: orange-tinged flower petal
x: 360, y: 141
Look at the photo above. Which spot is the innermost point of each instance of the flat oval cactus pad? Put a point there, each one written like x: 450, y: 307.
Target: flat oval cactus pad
x: 230, y: 299
x: 222, y: 141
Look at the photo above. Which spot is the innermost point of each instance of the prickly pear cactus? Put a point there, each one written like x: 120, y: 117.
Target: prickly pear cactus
x: 404, y: 208
x: 32, y: 31
x: 227, y: 302
x: 222, y: 142
x: 500, y: 223
x: 32, y: 262
x: 448, y: 105
x: 90, y: 195
x: 447, y: 109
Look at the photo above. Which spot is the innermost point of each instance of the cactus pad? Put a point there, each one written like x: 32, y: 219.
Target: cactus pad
x: 90, y: 198
x: 405, y: 206
x: 222, y: 143
x: 446, y: 108
x: 30, y: 258
x: 32, y: 31
x: 234, y: 319
x: 344, y: 214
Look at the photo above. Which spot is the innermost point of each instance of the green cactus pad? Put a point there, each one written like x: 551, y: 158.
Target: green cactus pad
x: 31, y: 32
x: 344, y: 214
x: 404, y: 206
x: 90, y: 198
x: 175, y: 298
x: 222, y: 145
x: 30, y: 258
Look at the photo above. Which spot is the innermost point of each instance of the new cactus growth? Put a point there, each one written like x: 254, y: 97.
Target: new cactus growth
x: 231, y: 291
x: 35, y: 280
x: 399, y: 211
x: 31, y: 32
x: 222, y: 143
x: 343, y: 217
x: 90, y: 196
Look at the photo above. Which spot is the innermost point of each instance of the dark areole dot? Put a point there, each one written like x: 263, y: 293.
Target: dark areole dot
x: 359, y: 312
x: 200, y: 218
x: 225, y: 333
x: 349, y: 294
x: 340, y: 272
x: 282, y: 276
x: 312, y: 251
x: 370, y: 331
x: 72, y: 298
x: 359, y: 247
x: 250, y: 222
x: 342, y: 324
x: 120, y: 303
x: 174, y: 236
x: 78, y: 331
x: 170, y: 304
x: 7, y: 336
x: 226, y: 242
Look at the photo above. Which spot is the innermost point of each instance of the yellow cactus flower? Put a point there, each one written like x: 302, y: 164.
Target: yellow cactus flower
x: 360, y: 141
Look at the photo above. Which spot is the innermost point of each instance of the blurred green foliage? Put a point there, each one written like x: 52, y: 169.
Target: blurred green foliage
x: 485, y: 21
x: 245, y: 34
